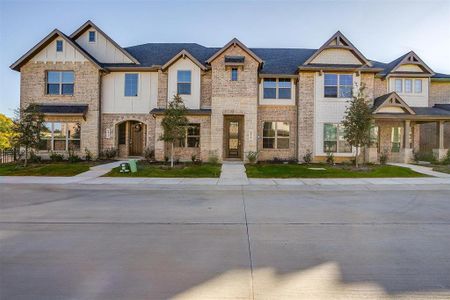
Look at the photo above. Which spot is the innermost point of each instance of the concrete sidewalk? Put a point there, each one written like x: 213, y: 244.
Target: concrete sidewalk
x: 233, y: 173
x: 422, y: 169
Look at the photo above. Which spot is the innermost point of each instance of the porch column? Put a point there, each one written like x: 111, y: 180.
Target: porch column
x: 159, y: 145
x: 407, y: 150
x: 440, y: 152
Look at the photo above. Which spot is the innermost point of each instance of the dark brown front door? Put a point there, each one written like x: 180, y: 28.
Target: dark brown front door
x: 233, y: 137
x: 136, y: 134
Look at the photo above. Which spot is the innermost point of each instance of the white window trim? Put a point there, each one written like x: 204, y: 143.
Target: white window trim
x: 95, y: 36
x: 338, y: 125
x: 137, y: 87
x: 337, y: 85
x: 190, y: 82
x: 277, y: 87
x: 62, y: 46
x: 60, y: 83
x: 413, y: 86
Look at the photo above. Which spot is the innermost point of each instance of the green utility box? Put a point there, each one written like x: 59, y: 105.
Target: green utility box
x: 133, y: 165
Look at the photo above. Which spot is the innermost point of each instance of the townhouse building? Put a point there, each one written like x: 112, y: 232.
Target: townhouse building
x: 283, y: 103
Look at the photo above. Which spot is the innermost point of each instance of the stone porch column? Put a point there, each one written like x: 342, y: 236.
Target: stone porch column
x: 407, y: 150
x: 440, y: 152
x: 159, y: 145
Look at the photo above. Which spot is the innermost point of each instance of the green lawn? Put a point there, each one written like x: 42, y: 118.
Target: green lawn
x: 188, y: 170
x: 338, y: 171
x: 45, y: 169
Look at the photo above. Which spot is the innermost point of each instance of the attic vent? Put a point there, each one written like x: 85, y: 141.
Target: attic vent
x: 234, y: 59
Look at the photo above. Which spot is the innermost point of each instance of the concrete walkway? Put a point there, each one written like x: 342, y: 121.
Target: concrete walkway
x: 99, y: 170
x: 423, y: 170
x: 233, y: 173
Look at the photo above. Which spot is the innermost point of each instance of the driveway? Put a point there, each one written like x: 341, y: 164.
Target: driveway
x: 110, y: 242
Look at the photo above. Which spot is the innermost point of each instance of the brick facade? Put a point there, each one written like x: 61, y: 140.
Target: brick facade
x: 86, y: 91
x: 305, y: 114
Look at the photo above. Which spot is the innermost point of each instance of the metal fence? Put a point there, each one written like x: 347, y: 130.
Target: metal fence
x: 8, y: 155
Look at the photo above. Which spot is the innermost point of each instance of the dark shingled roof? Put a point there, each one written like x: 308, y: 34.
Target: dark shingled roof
x: 443, y: 106
x: 62, y: 109
x: 276, y: 60
x: 431, y: 111
x: 202, y: 111
x: 380, y: 100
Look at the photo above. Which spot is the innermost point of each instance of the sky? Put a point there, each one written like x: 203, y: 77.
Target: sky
x: 382, y: 30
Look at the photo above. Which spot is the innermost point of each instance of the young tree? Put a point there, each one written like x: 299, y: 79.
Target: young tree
x: 174, y: 123
x: 357, y: 122
x: 27, y: 127
x: 6, y: 132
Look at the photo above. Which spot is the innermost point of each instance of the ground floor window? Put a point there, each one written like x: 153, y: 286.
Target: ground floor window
x: 396, y: 139
x: 60, y: 136
x: 191, y: 138
x: 276, y: 135
x: 374, y: 136
x: 122, y: 132
x: 333, y: 139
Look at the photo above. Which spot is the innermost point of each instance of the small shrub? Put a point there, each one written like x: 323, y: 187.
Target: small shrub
x: 307, y: 158
x: 166, y: 159
x: 87, y: 154
x: 34, y: 158
x: 252, y: 156
x: 384, y: 156
x: 194, y: 158
x: 425, y: 156
x: 56, y: 157
x: 149, y: 154
x: 213, y: 158
x: 107, y: 154
x: 330, y: 158
x: 446, y: 160
x: 72, y: 157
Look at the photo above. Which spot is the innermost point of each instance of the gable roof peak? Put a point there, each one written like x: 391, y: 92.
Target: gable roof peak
x: 77, y: 33
x: 339, y: 40
x: 234, y: 42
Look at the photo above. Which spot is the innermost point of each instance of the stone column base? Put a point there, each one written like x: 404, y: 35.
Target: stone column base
x: 406, y: 155
x: 440, y: 154
x: 371, y: 155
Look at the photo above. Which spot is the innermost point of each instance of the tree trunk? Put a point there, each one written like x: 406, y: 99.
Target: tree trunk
x: 26, y: 157
x: 356, y: 157
x: 171, y: 156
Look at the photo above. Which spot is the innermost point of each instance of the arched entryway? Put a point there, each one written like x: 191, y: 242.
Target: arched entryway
x: 131, y: 138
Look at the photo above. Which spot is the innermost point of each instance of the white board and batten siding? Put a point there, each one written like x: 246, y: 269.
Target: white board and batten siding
x: 102, y: 49
x: 49, y: 53
x: 191, y: 101
x: 113, y: 93
x: 328, y: 110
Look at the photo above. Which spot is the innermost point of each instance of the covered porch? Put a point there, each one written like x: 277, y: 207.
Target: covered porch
x: 398, y: 129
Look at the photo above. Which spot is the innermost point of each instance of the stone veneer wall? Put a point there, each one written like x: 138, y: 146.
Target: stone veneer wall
x: 111, y: 122
x: 439, y: 93
x: 86, y: 91
x: 379, y: 87
x: 277, y: 114
x: 162, y: 149
x: 206, y: 89
x: 234, y: 98
x: 162, y: 89
x: 305, y: 114
x: 369, y: 81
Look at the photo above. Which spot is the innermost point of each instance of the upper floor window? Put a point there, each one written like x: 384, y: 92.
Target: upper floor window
x: 406, y: 86
x: 276, y: 135
x: 184, y: 82
x: 277, y: 88
x: 333, y: 139
x: 234, y: 74
x: 59, y: 46
x: 60, y: 82
x: 92, y: 36
x: 338, y: 85
x: 131, y: 85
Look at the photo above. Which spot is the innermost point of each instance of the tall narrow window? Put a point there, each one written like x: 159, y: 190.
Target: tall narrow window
x: 234, y: 74
x: 184, y: 82
x: 331, y: 86
x: 276, y: 135
x: 284, y: 88
x: 92, y: 36
x: 398, y: 85
x: 374, y: 136
x: 131, y: 85
x: 270, y: 88
x: 60, y: 82
x: 396, y: 138
x: 59, y: 46
x: 418, y: 86
x: 345, y: 86
x: 408, y: 86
